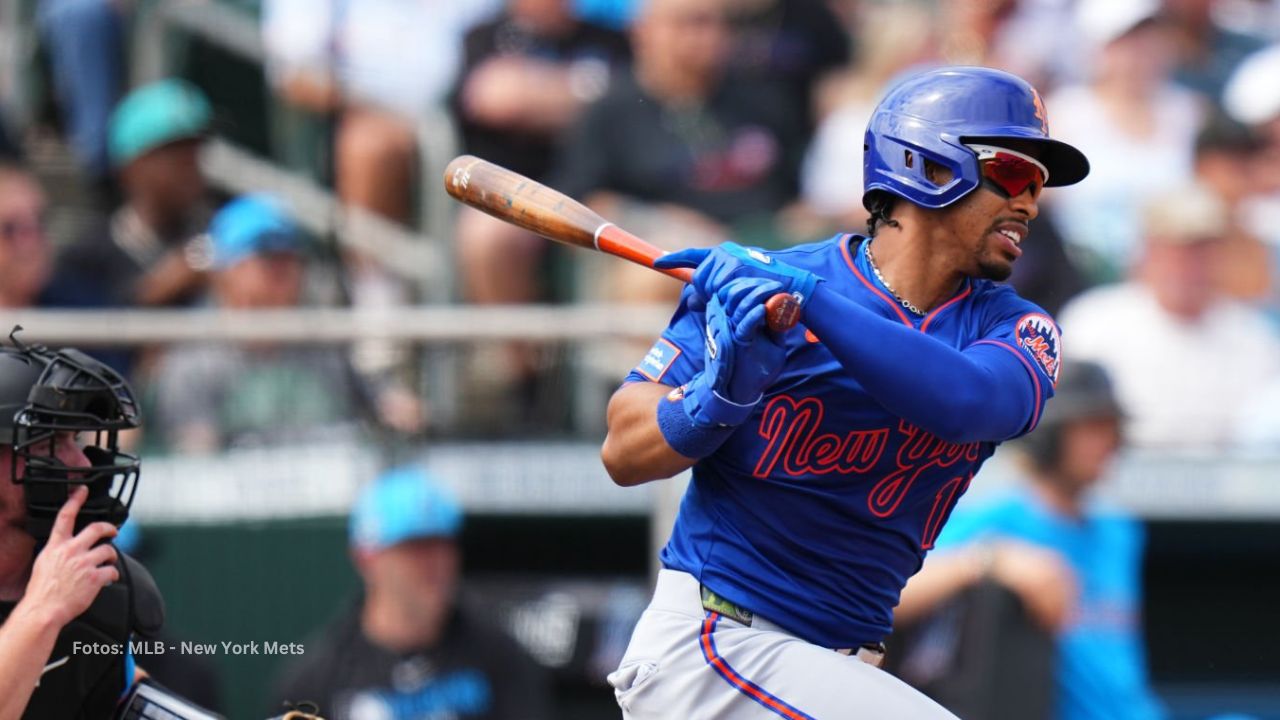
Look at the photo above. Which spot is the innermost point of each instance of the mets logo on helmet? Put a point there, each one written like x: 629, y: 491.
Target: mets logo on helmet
x: 1041, y: 114
x: 1038, y: 335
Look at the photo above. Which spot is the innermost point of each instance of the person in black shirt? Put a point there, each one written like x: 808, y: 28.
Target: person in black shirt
x: 147, y: 252
x: 526, y: 76
x: 141, y: 256
x: 26, y: 250
x: 682, y: 151
x: 791, y: 42
x: 408, y: 649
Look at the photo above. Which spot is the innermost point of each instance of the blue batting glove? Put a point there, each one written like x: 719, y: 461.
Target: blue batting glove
x: 718, y: 266
x: 741, y: 359
x: 758, y: 356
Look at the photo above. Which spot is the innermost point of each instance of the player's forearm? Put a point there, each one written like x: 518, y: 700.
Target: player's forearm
x: 635, y: 450
x: 26, y: 640
x: 930, y: 384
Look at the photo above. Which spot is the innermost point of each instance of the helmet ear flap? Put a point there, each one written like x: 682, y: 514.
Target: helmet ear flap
x: 902, y: 165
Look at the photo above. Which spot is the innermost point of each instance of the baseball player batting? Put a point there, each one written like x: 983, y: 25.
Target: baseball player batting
x: 827, y: 458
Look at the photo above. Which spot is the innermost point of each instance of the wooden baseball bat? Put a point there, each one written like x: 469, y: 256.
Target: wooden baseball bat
x: 516, y: 199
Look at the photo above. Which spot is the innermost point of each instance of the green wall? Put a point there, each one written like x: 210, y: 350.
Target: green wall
x: 246, y: 582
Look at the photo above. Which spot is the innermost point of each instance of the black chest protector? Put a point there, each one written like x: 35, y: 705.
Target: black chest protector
x: 84, y: 678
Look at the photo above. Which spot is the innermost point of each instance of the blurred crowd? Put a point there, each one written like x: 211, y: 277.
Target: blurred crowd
x: 688, y: 122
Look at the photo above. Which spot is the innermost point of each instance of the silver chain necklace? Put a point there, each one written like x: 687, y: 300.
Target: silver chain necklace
x: 866, y: 249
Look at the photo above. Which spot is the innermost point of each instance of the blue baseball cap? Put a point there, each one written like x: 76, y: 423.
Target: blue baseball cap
x: 401, y: 505
x: 129, y: 537
x: 154, y: 115
x: 249, y: 225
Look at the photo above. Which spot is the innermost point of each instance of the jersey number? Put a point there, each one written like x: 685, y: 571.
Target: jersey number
x: 946, y: 499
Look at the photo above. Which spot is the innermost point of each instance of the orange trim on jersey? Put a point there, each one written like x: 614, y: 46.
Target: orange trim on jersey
x: 844, y: 250
x: 741, y: 684
x: 924, y: 327
x: 1035, y: 377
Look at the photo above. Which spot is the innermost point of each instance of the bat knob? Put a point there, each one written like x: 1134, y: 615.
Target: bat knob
x: 782, y: 312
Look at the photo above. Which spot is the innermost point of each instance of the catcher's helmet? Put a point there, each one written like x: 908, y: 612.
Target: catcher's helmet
x: 45, y: 392
x: 934, y: 115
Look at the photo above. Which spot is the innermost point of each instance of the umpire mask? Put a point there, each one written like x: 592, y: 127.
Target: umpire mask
x: 44, y: 393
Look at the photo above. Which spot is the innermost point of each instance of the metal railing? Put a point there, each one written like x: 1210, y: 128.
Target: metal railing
x: 402, y: 252
x: 421, y: 256
x: 312, y: 326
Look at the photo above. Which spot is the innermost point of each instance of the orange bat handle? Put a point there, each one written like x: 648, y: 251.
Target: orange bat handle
x: 782, y: 312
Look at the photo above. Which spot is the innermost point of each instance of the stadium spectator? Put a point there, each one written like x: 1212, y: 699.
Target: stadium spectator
x: 969, y: 31
x: 1074, y: 562
x: 526, y: 76
x: 616, y: 14
x: 409, y: 647
x: 1207, y: 52
x: 1226, y: 160
x: 890, y: 40
x: 679, y: 151
x: 1170, y: 327
x: 147, y: 252
x: 1253, y: 98
x: 378, y: 69
x: 26, y: 253
x: 1135, y: 125
x: 790, y: 44
x: 10, y: 149
x: 85, y: 43
x: 211, y: 396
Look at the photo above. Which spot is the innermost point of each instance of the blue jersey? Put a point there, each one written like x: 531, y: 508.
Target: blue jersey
x: 818, y: 508
x: 1100, y: 653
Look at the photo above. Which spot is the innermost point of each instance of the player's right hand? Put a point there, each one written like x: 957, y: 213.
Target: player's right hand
x: 740, y: 359
x: 757, y: 357
x: 717, y: 267
x: 71, y: 569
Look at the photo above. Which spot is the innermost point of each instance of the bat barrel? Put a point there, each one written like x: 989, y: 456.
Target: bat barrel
x: 516, y: 199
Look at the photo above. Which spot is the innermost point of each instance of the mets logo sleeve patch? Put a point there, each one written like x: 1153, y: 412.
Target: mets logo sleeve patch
x: 1037, y: 335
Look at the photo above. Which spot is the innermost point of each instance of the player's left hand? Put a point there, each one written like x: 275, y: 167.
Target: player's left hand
x: 717, y: 267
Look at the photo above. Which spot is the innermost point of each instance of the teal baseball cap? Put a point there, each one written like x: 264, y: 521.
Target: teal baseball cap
x: 249, y: 225
x: 157, y: 114
x: 403, y: 504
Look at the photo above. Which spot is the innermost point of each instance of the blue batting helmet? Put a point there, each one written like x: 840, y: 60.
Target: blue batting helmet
x: 934, y: 114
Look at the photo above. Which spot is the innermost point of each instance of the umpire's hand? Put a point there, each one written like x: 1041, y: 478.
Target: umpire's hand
x: 71, y: 569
